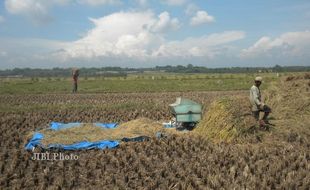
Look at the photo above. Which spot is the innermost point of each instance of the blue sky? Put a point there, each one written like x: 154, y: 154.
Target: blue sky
x: 145, y: 33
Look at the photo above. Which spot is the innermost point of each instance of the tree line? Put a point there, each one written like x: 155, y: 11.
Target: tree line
x: 123, y: 72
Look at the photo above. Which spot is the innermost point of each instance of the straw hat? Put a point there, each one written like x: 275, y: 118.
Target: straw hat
x: 260, y: 79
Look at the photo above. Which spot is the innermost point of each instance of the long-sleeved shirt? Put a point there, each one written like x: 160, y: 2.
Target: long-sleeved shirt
x: 255, y: 98
x: 75, y: 78
x: 75, y: 75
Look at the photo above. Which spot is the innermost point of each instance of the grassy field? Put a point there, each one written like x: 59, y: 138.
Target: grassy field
x: 148, y: 82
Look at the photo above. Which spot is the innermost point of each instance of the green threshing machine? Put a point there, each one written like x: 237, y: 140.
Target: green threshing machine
x: 187, y: 113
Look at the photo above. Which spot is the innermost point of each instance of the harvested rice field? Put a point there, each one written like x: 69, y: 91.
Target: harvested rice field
x: 226, y: 150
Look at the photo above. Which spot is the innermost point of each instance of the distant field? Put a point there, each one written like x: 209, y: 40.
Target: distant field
x: 147, y: 82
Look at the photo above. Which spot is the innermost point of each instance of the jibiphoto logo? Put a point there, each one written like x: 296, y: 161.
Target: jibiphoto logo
x: 54, y: 156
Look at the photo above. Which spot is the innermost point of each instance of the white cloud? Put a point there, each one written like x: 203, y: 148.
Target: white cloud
x: 2, y: 19
x: 30, y: 52
x: 191, y: 9
x: 35, y: 10
x: 99, y: 2
x: 174, y: 2
x: 142, y: 2
x: 205, y: 46
x: 123, y: 39
x: 140, y: 35
x: 38, y: 10
x: 123, y: 33
x: 165, y: 23
x: 30, y: 45
x: 3, y: 53
x: 288, y: 44
x: 201, y: 17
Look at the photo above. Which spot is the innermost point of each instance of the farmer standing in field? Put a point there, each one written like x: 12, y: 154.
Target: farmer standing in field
x: 75, y: 75
x: 257, y: 104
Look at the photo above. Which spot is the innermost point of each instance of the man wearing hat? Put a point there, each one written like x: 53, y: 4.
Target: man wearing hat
x: 257, y: 104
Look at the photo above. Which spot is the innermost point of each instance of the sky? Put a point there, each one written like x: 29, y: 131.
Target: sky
x: 147, y: 33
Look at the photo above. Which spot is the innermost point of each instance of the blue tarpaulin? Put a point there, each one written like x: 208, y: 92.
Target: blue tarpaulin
x: 37, y: 137
x: 35, y: 141
x: 57, y: 126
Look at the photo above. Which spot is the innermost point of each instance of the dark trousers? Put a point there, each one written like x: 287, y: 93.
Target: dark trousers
x: 266, y: 109
x: 74, y: 90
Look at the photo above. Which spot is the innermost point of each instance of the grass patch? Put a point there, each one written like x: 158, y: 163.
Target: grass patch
x: 143, y: 83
